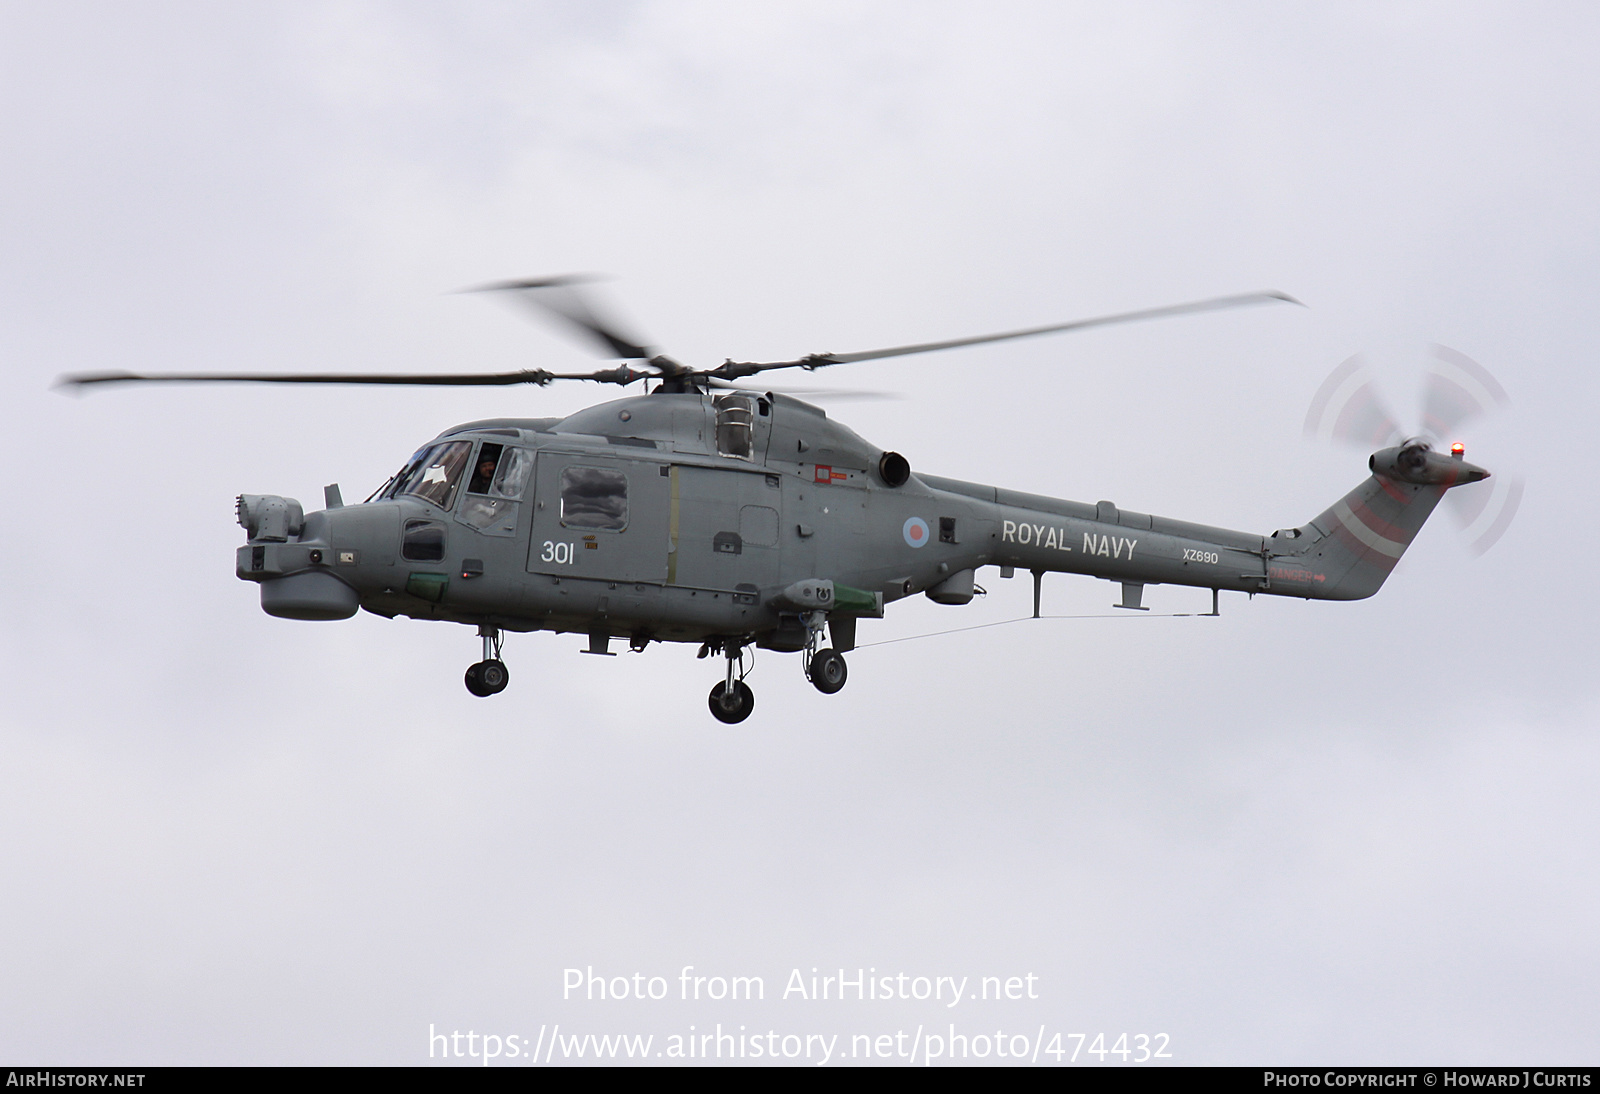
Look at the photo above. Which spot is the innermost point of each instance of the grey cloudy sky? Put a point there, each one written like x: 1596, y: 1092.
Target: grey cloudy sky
x: 1302, y: 833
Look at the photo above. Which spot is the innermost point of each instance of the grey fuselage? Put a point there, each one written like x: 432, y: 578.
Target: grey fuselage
x: 698, y: 524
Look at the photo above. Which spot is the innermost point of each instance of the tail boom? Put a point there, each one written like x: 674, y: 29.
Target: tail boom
x: 1346, y: 553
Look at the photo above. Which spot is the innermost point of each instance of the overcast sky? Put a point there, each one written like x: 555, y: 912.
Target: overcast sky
x: 1300, y: 833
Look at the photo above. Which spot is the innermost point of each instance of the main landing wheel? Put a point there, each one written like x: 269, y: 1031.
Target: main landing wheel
x: 828, y: 671
x: 488, y: 678
x: 733, y: 708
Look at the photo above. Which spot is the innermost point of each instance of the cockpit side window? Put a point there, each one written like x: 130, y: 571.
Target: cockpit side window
x: 483, y: 471
x: 512, y: 476
x: 498, y: 479
x: 423, y: 541
x: 433, y: 473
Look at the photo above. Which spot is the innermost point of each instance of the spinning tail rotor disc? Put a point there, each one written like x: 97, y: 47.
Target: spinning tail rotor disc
x: 1348, y: 408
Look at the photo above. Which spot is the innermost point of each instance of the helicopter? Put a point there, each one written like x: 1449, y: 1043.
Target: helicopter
x: 707, y: 512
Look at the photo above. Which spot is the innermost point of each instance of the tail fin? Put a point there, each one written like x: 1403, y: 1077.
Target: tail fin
x: 1358, y: 541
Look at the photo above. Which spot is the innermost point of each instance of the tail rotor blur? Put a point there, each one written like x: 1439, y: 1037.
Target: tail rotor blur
x: 1457, y: 390
x: 1347, y: 408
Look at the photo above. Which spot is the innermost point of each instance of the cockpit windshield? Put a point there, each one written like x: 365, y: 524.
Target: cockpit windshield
x: 432, y: 474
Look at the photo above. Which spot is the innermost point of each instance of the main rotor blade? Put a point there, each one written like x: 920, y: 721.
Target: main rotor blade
x: 804, y: 393
x: 734, y: 369
x: 619, y: 375
x: 560, y: 297
x: 835, y: 394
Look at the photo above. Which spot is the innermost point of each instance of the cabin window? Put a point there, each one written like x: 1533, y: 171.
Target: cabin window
x: 735, y: 425
x: 594, y: 498
x: 433, y: 473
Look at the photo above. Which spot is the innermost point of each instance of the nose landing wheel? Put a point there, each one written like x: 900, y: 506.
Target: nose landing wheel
x: 732, y: 707
x: 732, y: 700
x: 489, y: 676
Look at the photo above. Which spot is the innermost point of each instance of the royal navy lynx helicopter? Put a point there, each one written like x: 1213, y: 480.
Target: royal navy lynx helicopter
x: 705, y: 512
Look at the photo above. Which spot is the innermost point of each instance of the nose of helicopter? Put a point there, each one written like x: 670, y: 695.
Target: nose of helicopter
x: 307, y: 566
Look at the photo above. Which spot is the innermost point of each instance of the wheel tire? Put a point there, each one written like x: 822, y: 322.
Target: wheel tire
x: 493, y: 676
x: 744, y: 701
x: 828, y: 671
x: 474, y: 684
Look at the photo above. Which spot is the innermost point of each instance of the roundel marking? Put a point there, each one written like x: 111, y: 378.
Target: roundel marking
x: 915, y: 531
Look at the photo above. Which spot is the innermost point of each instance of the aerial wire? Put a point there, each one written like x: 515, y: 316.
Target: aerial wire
x: 1031, y: 618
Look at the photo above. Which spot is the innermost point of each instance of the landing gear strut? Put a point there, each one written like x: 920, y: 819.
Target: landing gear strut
x: 732, y: 700
x: 825, y: 667
x: 489, y: 676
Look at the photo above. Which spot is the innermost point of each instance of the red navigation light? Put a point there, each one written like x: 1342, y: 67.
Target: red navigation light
x: 1458, y: 450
